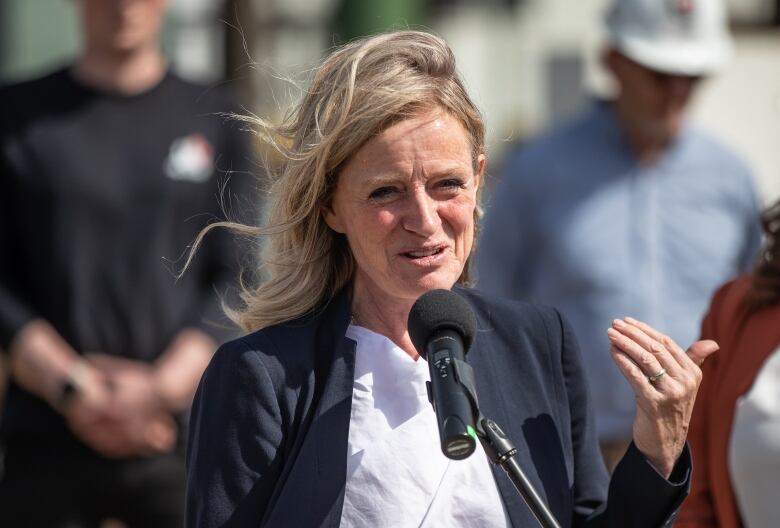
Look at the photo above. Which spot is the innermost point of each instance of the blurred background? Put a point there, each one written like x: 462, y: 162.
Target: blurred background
x: 528, y: 63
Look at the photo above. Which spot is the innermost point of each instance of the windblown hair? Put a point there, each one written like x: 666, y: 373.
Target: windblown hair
x: 359, y: 90
x: 765, y: 286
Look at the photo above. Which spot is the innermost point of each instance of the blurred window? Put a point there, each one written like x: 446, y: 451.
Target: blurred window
x: 479, y: 3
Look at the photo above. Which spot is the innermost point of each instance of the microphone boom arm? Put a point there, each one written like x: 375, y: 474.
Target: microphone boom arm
x: 500, y: 450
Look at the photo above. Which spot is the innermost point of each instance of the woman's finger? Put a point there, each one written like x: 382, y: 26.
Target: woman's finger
x: 669, y: 343
x: 665, y: 357
x: 643, y: 359
x: 633, y: 373
x: 700, y: 350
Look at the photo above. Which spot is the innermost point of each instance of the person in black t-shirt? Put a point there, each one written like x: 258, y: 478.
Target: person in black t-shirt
x: 107, y: 168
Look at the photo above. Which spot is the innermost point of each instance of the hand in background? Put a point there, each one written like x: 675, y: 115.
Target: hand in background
x: 42, y: 362
x: 136, y: 422
x: 665, y: 379
x: 120, y: 407
x: 88, y: 409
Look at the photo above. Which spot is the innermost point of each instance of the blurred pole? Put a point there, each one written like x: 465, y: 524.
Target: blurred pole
x: 193, y: 39
x: 357, y: 18
x: 248, y: 37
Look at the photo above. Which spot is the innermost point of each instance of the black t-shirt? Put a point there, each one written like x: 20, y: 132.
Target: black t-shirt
x: 100, y: 197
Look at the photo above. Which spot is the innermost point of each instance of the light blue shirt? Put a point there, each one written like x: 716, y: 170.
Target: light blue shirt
x: 575, y: 222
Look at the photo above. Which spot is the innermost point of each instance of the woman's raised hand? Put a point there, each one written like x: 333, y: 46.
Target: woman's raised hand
x: 665, y: 379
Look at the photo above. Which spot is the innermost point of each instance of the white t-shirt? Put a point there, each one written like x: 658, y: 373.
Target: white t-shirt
x: 396, y: 473
x: 754, y: 451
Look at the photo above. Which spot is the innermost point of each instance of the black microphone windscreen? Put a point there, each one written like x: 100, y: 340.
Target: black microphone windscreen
x: 436, y: 310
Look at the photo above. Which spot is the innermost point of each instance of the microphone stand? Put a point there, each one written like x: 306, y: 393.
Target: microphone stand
x: 501, y: 451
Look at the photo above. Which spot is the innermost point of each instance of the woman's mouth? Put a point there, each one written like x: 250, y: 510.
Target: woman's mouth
x: 426, y: 255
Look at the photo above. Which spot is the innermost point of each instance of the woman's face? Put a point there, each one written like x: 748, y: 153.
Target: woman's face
x: 405, y: 202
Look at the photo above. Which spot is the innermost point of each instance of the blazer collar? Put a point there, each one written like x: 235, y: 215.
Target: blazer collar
x: 313, y: 491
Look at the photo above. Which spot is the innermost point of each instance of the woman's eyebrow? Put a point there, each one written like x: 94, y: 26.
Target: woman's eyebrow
x: 381, y: 179
x: 390, y: 177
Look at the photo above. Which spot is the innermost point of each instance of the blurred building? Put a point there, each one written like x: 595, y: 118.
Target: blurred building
x: 528, y: 63
x: 532, y: 63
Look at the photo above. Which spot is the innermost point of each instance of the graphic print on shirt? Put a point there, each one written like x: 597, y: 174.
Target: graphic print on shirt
x: 190, y: 158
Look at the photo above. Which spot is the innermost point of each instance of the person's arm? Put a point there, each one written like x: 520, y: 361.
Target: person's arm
x: 42, y: 363
x: 146, y: 397
x: 117, y: 406
x: 15, y: 313
x: 177, y: 372
x: 665, y: 379
x: 653, y: 478
x: 38, y: 358
x: 236, y: 432
x: 637, y: 495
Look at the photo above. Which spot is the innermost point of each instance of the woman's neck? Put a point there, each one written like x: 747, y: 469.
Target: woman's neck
x: 386, y: 316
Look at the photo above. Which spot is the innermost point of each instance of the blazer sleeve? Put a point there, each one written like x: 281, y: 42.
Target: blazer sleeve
x: 638, y: 496
x: 234, y: 456
x: 590, y: 474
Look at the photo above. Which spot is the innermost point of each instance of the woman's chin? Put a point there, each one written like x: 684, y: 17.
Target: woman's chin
x: 405, y: 285
x: 432, y: 281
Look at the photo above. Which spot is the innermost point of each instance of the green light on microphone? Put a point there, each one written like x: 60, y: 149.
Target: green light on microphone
x: 470, y: 430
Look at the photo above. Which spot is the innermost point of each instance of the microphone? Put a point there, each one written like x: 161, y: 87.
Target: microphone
x: 441, y: 326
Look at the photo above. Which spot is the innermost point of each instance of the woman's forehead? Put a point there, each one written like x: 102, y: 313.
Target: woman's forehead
x: 433, y: 135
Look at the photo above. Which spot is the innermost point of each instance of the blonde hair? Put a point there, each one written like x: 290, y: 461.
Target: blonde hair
x: 359, y: 90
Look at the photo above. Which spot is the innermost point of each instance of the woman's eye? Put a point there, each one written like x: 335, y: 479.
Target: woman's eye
x: 382, y: 192
x: 452, y: 183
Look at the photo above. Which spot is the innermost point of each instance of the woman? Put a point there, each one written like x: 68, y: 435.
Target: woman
x: 319, y: 417
x: 736, y: 423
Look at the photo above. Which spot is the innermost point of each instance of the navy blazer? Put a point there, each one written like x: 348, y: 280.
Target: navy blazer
x: 270, y: 424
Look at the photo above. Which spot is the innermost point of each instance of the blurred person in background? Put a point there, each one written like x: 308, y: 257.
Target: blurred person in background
x: 628, y: 208
x: 735, y: 430
x: 107, y: 167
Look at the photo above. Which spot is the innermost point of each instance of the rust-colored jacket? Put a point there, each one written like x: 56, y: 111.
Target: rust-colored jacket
x: 746, y: 340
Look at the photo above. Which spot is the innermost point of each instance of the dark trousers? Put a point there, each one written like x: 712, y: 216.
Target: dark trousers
x: 78, y: 489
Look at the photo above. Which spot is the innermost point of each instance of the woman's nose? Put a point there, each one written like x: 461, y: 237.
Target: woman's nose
x: 421, y: 216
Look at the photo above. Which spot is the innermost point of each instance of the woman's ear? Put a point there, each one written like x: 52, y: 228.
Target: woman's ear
x: 480, y: 170
x: 332, y: 218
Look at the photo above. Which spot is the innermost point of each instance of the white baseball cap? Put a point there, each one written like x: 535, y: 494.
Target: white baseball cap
x: 679, y: 37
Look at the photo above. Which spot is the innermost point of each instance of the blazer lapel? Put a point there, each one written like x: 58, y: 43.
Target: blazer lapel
x: 329, y: 433
x: 313, y: 494
x: 493, y: 406
x: 511, y: 392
